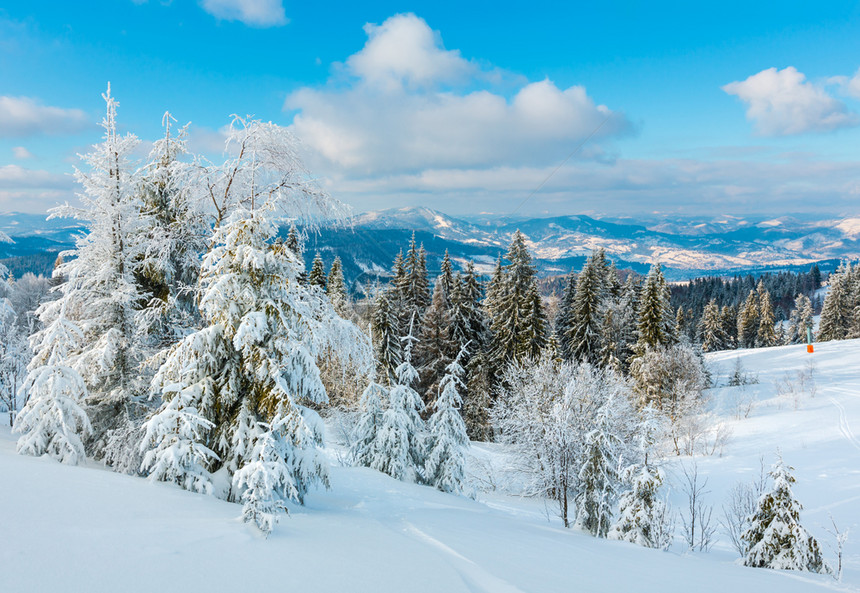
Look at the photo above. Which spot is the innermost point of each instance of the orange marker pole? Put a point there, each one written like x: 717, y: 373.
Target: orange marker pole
x: 809, y: 340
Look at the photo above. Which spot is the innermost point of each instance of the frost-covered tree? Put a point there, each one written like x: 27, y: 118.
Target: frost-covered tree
x: 336, y: 288
x: 642, y: 516
x: 317, y: 276
x: 53, y: 421
x: 748, y: 322
x: 766, y: 335
x: 444, y: 466
x: 102, y: 296
x: 546, y: 411
x: 414, y: 285
x: 618, y: 333
x: 837, y: 311
x: 365, y: 440
x: 254, y: 360
x: 519, y: 328
x: 711, y: 329
x: 775, y: 537
x: 274, y: 474
x: 801, y: 320
x: 656, y: 326
x: 15, y: 354
x: 400, y: 448
x: 671, y: 380
x: 436, y: 347
x: 599, y: 480
x: 583, y: 338
x: 174, y: 234
x: 385, y: 326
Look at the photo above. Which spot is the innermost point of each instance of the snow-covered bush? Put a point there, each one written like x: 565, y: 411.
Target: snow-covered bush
x: 644, y: 519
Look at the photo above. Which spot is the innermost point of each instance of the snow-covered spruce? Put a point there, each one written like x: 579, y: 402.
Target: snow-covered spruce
x: 399, y: 451
x: 53, y: 421
x: 643, y: 518
x: 371, y: 404
x: 444, y: 466
x: 254, y: 359
x: 775, y: 538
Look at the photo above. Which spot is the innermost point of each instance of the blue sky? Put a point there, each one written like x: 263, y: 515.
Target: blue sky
x: 728, y: 108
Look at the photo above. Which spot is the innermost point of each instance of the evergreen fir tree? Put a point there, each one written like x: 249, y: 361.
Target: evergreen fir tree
x: 836, y: 312
x: 436, y: 347
x: 729, y: 321
x: 400, y: 449
x: 801, y: 320
x: 640, y: 511
x: 447, y: 275
x: 563, y: 321
x: 53, y: 421
x: 766, y: 335
x: 386, y: 334
x: 584, y: 334
x: 518, y: 321
x: 415, y: 288
x: 775, y: 538
x: 444, y: 467
x: 365, y: 442
x: 656, y: 326
x: 598, y: 477
x: 317, y: 276
x: 711, y: 329
x: 748, y: 322
x: 336, y: 288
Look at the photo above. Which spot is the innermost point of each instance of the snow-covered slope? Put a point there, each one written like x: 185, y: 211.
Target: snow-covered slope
x: 87, y: 529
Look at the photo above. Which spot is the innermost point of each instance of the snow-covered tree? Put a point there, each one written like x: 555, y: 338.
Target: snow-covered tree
x: 599, y: 481
x: 372, y: 406
x: 656, y: 326
x: 400, y: 448
x: 317, y: 277
x: 748, y: 322
x: 801, y: 320
x: 775, y: 538
x: 642, y: 515
x: 562, y: 322
x: 766, y: 335
x: 519, y: 328
x: 711, y: 329
x: 436, y: 347
x: 583, y: 338
x: 837, y: 311
x: 53, y: 421
x: 414, y: 285
x: 546, y: 411
x: 386, y: 334
x: 444, y: 466
x: 336, y: 288
x: 102, y: 296
x: 254, y: 359
x: 174, y: 234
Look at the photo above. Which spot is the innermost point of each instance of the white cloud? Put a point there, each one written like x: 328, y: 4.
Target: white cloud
x: 849, y: 86
x: 404, y: 49
x: 21, y: 153
x: 408, y: 104
x: 255, y: 13
x: 783, y: 102
x: 29, y: 190
x: 25, y: 116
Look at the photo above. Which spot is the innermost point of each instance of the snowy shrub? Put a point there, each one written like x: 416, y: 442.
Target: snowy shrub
x: 644, y: 519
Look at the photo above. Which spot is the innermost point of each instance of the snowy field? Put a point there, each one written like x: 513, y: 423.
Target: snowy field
x: 88, y: 529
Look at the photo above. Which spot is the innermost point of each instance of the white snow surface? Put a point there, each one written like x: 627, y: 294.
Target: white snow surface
x: 89, y: 529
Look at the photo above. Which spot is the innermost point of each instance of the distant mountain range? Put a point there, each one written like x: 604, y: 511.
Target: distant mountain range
x: 685, y: 247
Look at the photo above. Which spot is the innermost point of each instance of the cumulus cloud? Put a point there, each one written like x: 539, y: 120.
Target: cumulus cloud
x: 21, y: 153
x: 255, y: 13
x: 408, y: 104
x: 26, y: 116
x: 783, y: 102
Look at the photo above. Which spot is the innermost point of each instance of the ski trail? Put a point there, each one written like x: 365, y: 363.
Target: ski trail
x: 477, y: 578
x: 844, y: 427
